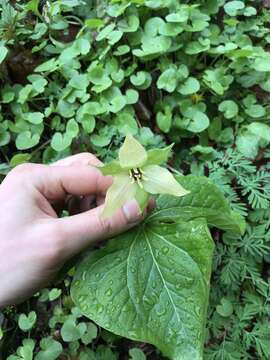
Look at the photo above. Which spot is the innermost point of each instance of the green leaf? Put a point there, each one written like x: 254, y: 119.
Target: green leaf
x: 50, y: 66
x: 50, y: 349
x: 71, y: 331
x: 159, y: 156
x: 90, y: 335
x: 60, y: 141
x: 153, y: 285
x: 94, y: 23
x: 136, y: 354
x: 26, y: 322
x: 262, y: 63
x: 159, y: 180
x: 132, y: 154
x: 232, y: 7
x: 25, y: 140
x: 54, y: 294
x: 261, y: 130
x: 19, y: 159
x: 3, y: 52
x: 34, y: 117
x: 168, y: 80
x: 225, y: 309
x: 190, y: 86
x: 229, y: 108
x: 205, y: 200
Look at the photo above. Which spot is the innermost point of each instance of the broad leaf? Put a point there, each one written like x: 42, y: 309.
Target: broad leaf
x: 151, y: 285
x: 205, y: 200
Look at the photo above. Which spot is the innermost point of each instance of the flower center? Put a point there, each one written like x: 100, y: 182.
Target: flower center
x: 137, y: 175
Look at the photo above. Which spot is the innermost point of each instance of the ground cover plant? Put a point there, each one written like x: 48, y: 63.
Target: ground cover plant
x: 81, y: 75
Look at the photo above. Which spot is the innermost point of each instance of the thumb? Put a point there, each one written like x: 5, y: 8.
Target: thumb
x: 80, y: 231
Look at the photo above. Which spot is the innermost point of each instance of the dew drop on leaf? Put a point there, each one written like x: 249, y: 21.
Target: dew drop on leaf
x: 108, y: 292
x: 165, y: 250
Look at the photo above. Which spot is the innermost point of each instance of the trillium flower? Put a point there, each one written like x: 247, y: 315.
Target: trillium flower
x: 137, y: 174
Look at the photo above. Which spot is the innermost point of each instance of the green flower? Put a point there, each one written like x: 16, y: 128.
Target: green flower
x: 137, y: 174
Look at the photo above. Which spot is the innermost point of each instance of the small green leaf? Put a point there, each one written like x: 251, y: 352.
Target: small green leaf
x: 159, y: 156
x: 19, y: 159
x: 26, y: 322
x: 229, y: 108
x: 54, y: 294
x: 60, y: 142
x: 232, y: 7
x: 225, y: 309
x: 3, y: 52
x: 25, y: 140
x: 136, y: 354
x: 34, y: 117
x: 190, y: 86
x: 71, y: 331
x: 50, y: 349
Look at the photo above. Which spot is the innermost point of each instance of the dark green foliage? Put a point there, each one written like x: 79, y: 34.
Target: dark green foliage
x: 79, y: 75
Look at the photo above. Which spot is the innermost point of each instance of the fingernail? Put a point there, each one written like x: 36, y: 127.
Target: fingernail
x: 132, y: 212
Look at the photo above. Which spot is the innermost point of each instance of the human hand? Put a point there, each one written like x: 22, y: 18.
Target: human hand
x: 34, y: 242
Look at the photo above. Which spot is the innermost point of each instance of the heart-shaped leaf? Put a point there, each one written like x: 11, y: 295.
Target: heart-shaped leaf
x: 26, y: 140
x: 151, y: 284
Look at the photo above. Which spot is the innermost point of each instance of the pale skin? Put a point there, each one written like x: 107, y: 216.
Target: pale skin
x: 34, y: 241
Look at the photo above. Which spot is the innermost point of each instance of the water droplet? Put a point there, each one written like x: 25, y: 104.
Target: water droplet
x: 111, y: 282
x: 81, y: 298
x: 85, y: 307
x: 132, y: 269
x: 178, y: 286
x: 84, y: 275
x: 113, y: 308
x: 165, y: 250
x: 77, y: 283
x: 99, y: 308
x: 97, y: 275
x: 108, y: 292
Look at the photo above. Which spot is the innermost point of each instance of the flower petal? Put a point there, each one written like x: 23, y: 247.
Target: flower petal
x: 118, y: 194
x: 161, y: 181
x: 132, y: 154
x: 142, y: 198
x: 112, y: 168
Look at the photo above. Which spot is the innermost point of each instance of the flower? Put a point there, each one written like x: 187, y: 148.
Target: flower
x: 137, y: 174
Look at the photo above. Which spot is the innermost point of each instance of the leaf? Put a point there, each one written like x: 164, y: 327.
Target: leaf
x: 168, y: 80
x: 229, y: 108
x: 190, y: 86
x: 132, y: 154
x: 159, y: 156
x: 205, y: 200
x: 60, y: 141
x: 19, y: 159
x: 71, y: 331
x: 25, y: 140
x: 50, y: 349
x: 136, y: 354
x: 231, y: 7
x: 26, y: 322
x: 225, y: 309
x: 34, y: 117
x: 260, y: 129
x: 3, y: 52
x: 262, y: 63
x: 135, y: 287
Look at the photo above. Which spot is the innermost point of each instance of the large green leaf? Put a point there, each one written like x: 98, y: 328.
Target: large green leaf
x: 205, y: 200
x: 151, y: 284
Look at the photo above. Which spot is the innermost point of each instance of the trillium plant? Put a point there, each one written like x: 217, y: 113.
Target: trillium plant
x: 137, y: 175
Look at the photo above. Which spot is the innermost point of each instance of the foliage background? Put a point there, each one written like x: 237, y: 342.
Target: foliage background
x: 78, y: 75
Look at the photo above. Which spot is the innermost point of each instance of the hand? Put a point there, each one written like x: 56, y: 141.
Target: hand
x: 34, y: 242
